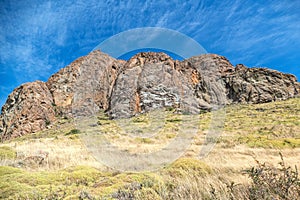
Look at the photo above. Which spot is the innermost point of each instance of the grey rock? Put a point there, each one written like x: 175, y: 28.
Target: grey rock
x: 260, y: 85
x: 146, y: 82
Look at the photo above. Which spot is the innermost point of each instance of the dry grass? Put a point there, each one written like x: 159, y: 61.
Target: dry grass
x: 51, y: 154
x: 251, y: 133
x: 273, y: 125
x: 142, y: 134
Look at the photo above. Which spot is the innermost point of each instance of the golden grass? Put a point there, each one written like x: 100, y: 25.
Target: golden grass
x: 56, y: 162
x: 58, y: 153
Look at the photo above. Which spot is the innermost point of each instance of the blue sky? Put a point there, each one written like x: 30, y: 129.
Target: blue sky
x: 37, y: 38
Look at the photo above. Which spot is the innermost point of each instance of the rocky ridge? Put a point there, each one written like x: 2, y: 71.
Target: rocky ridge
x: 145, y: 82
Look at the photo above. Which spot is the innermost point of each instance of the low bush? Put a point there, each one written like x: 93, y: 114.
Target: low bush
x: 73, y: 132
x: 269, y: 182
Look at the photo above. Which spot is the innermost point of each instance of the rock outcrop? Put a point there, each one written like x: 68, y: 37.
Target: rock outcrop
x: 260, y: 85
x: 29, y: 108
x: 145, y: 82
x: 148, y: 81
x: 89, y: 77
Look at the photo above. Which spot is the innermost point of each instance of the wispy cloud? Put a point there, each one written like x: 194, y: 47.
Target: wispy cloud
x: 36, y: 39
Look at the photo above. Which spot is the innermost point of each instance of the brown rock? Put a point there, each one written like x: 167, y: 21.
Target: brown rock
x: 61, y: 84
x: 28, y: 109
x: 146, y: 82
x: 84, y: 85
x: 93, y: 88
x: 240, y: 67
x: 211, y: 91
x: 211, y: 65
x: 157, y: 81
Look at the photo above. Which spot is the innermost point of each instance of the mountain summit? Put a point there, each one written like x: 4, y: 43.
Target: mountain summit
x: 146, y: 82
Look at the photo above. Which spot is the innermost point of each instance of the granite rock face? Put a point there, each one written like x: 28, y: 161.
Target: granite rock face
x: 146, y: 82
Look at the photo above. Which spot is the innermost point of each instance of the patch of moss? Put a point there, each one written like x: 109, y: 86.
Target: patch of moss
x: 192, y: 166
x: 7, y: 152
x: 12, y: 189
x: 6, y: 170
x: 136, y: 184
x: 20, y: 184
x: 147, y: 194
x: 47, y: 133
x: 264, y: 141
x: 141, y: 119
x: 171, y: 135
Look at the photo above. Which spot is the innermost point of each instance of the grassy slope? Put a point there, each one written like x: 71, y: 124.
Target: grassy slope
x: 55, y: 164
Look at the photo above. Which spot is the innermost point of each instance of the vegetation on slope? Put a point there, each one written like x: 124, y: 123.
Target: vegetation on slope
x: 54, y: 164
x: 269, y: 125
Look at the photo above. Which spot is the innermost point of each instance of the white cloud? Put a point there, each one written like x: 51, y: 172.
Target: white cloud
x: 34, y: 35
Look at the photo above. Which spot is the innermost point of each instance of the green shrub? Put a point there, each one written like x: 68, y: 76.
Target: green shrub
x: 269, y: 182
x: 73, y: 132
x: 47, y: 122
x: 174, y: 120
x: 190, y: 166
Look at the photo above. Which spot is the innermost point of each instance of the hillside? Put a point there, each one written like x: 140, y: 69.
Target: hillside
x: 144, y: 83
x: 54, y: 163
x: 152, y: 128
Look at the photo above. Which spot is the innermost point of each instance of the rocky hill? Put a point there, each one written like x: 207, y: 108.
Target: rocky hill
x: 145, y: 82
